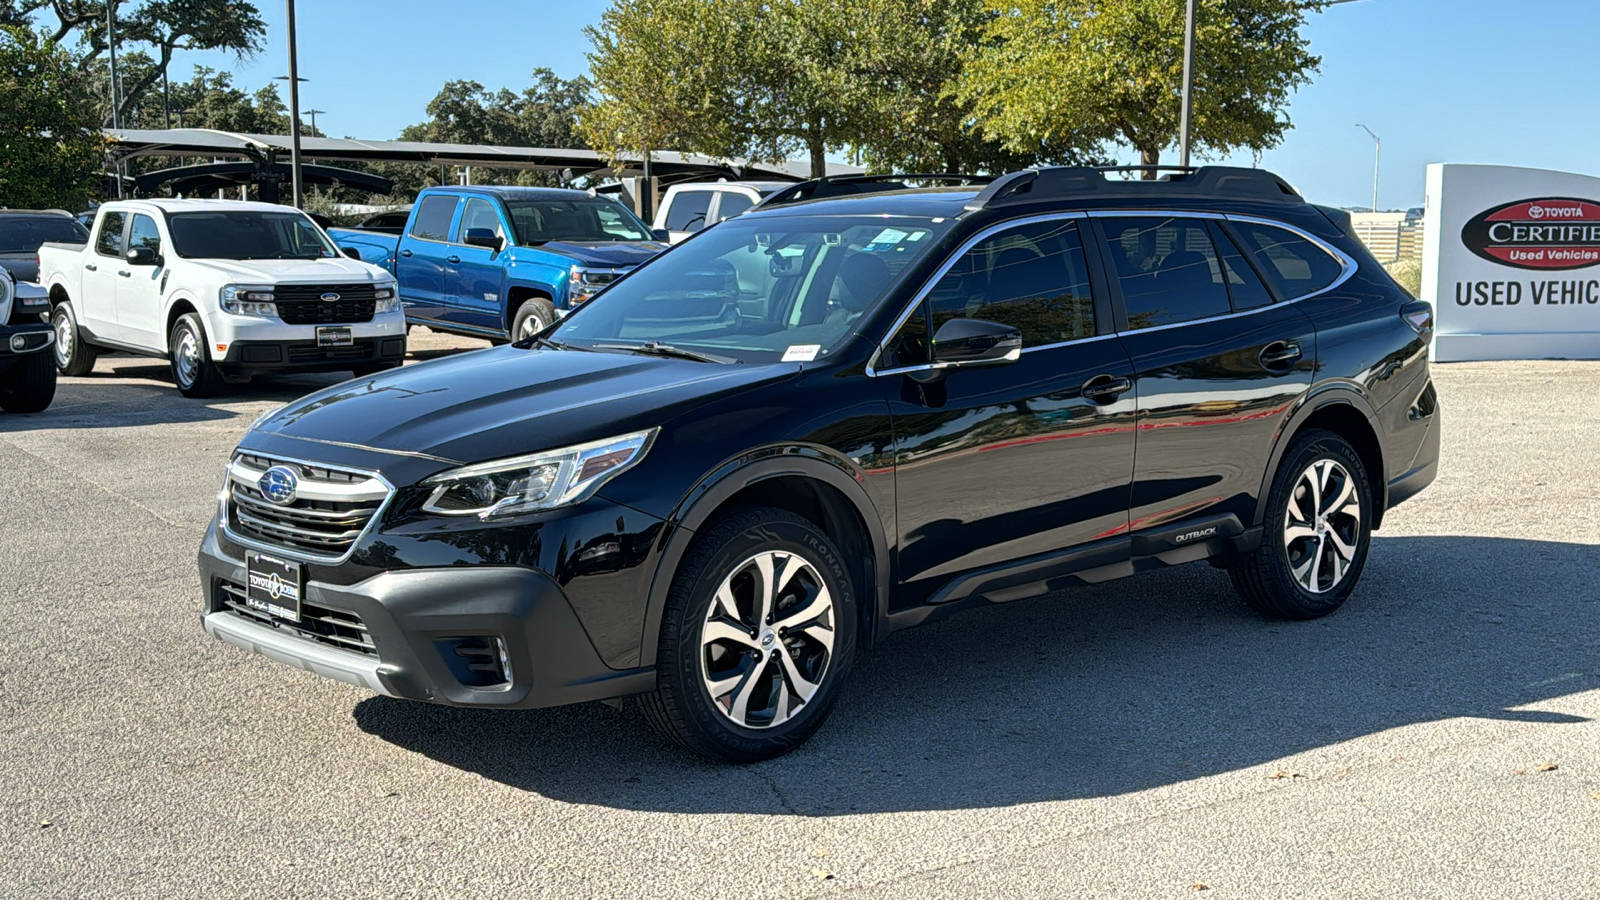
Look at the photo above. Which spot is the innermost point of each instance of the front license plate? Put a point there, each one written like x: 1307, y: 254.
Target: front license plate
x: 337, y: 336
x: 275, y: 585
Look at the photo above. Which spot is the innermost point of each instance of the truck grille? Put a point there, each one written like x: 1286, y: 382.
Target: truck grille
x: 302, y: 304
x: 331, y: 508
x: 333, y: 627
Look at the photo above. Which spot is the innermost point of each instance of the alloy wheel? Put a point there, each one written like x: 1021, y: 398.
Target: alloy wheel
x: 64, y: 339
x: 767, y: 640
x: 530, y: 327
x: 1322, y: 526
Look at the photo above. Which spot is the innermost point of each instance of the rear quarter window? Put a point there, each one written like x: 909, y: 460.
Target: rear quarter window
x: 1292, y: 264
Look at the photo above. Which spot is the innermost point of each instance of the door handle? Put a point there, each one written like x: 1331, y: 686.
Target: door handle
x: 452, y: 259
x: 89, y: 268
x: 406, y: 253
x: 1106, y: 388
x: 126, y: 274
x: 1280, y: 354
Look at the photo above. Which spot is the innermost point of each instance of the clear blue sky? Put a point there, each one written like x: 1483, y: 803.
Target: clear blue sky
x: 1482, y: 81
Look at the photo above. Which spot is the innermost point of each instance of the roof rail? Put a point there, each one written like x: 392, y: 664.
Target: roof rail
x: 844, y: 185
x: 1231, y: 182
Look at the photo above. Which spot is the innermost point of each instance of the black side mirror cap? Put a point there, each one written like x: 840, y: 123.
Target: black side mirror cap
x: 975, y: 342
x: 351, y: 252
x: 143, y: 256
x: 483, y: 237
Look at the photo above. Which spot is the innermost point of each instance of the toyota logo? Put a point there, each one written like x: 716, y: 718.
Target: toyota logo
x: 278, y: 483
x: 330, y: 297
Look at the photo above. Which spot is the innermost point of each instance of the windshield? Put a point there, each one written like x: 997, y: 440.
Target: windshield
x: 20, y: 234
x: 247, y: 234
x: 538, y: 221
x: 758, y: 290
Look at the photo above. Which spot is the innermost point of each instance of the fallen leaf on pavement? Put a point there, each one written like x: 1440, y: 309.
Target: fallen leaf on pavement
x: 1548, y: 767
x: 821, y: 853
x: 45, y: 824
x: 1282, y: 774
x: 824, y: 874
x: 1201, y: 887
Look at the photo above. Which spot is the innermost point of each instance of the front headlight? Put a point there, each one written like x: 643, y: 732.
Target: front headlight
x: 388, y: 299
x: 248, y: 300
x: 539, y: 481
x: 584, y: 283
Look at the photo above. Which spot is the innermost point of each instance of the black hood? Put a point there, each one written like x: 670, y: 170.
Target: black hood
x: 504, y: 402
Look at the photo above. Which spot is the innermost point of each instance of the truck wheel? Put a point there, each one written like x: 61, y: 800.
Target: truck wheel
x: 1318, y: 527
x: 30, y: 385
x: 533, y: 316
x: 756, y: 638
x: 192, y: 368
x: 73, y: 356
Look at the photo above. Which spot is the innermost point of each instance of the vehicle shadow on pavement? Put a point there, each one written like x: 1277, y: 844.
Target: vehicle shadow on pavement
x: 1095, y: 692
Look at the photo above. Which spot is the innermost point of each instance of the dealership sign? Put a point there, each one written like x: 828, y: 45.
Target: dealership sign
x: 1507, y: 262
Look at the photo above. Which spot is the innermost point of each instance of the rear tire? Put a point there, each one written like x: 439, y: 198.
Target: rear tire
x: 192, y: 369
x: 72, y: 355
x: 533, y: 316
x: 30, y: 385
x: 744, y: 671
x: 1317, y: 531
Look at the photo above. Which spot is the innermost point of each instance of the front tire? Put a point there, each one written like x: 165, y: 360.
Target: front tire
x: 72, y: 355
x: 30, y: 385
x: 1318, y: 529
x: 756, y: 639
x: 533, y: 316
x: 192, y: 369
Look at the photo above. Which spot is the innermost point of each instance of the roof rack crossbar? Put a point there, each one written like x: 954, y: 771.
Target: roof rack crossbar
x: 842, y: 185
x: 1090, y: 181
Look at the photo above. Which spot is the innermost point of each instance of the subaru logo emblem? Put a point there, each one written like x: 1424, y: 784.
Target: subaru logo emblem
x: 330, y: 297
x: 278, y: 483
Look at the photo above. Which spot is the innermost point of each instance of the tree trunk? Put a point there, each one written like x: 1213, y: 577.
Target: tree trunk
x: 819, y: 152
x: 1149, y: 156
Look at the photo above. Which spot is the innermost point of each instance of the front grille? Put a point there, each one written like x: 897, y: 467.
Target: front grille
x: 302, y: 304
x: 331, y: 509
x: 333, y: 627
x: 314, y: 353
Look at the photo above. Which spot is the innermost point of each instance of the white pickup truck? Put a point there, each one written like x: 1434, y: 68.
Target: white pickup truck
x: 223, y: 289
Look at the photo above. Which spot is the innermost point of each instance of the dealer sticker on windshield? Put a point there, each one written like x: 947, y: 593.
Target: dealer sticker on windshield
x: 801, y: 352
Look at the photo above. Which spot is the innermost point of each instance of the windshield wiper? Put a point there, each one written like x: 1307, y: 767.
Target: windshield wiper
x: 656, y: 348
x: 557, y: 345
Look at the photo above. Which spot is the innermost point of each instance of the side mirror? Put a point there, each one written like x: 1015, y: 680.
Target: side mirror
x: 484, y: 237
x: 661, y: 234
x: 143, y: 256
x: 351, y: 252
x: 975, y: 342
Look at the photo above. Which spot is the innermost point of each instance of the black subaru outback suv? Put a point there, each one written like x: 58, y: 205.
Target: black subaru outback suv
x: 855, y: 409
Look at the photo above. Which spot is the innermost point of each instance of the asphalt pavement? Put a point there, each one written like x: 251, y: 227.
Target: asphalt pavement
x: 1146, y: 738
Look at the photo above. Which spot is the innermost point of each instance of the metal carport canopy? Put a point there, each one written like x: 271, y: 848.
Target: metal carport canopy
x: 130, y: 143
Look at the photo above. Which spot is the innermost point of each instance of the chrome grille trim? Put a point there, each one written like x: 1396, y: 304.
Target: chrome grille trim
x: 322, y: 624
x: 305, y: 530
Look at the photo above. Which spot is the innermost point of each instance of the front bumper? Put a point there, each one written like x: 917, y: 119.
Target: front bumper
x: 25, y: 338
x: 414, y: 621
x: 305, y: 356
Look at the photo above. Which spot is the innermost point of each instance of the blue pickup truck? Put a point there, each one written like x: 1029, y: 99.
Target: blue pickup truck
x: 504, y: 262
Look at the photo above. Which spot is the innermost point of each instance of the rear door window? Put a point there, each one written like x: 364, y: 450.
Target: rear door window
x: 1167, y: 268
x: 732, y: 204
x: 108, y: 240
x: 688, y: 212
x: 1244, y: 286
x: 1292, y: 264
x: 434, y: 215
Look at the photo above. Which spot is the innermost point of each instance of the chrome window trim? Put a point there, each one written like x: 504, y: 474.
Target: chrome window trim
x: 933, y: 281
x: 1348, y: 268
x: 300, y: 555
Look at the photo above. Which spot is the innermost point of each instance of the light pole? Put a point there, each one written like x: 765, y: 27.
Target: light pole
x: 313, y: 113
x: 1377, y: 151
x: 294, y: 110
x: 1185, y: 121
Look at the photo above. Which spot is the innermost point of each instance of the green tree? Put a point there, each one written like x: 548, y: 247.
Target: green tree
x: 157, y: 29
x: 1111, y: 71
x: 48, y: 130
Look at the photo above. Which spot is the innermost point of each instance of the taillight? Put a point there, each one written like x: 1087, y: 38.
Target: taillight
x: 1419, y: 315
